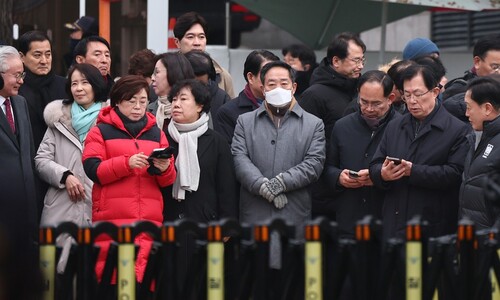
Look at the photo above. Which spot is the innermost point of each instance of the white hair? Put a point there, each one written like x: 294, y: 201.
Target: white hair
x: 6, y: 53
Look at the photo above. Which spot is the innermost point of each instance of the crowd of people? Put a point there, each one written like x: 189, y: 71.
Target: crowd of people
x: 300, y: 140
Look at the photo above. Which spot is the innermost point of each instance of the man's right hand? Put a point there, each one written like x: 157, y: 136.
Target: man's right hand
x: 390, y: 171
x: 348, y: 182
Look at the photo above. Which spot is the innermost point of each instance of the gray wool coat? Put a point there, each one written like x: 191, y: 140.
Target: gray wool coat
x: 296, y: 150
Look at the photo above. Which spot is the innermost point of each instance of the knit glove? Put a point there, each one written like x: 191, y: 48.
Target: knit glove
x: 265, y: 192
x: 280, y: 201
x: 276, y: 185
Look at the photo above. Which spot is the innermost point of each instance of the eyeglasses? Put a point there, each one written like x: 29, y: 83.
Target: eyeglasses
x: 374, y: 105
x: 408, y: 96
x: 18, y: 76
x: 358, y: 61
x: 135, y: 103
x: 495, y: 67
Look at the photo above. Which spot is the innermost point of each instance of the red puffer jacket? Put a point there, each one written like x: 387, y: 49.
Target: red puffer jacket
x: 120, y: 194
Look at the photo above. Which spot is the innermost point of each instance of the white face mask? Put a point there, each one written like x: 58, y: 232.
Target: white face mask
x: 278, y: 97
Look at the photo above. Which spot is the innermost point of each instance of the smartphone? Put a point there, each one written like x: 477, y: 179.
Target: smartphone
x: 396, y: 161
x: 353, y: 174
x: 162, y: 153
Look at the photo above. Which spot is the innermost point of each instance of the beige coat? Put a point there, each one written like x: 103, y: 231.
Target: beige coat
x: 60, y: 151
x: 226, y: 81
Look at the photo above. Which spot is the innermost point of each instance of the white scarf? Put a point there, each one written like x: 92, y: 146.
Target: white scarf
x: 164, y: 111
x: 188, y: 167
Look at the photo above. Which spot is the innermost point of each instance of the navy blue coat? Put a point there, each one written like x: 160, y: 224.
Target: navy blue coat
x: 437, y: 152
x: 352, y: 146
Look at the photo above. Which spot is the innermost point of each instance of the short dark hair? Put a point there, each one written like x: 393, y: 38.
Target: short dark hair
x: 485, y: 89
x: 434, y: 63
x: 177, y: 65
x: 202, y: 63
x: 186, y: 21
x: 340, y: 44
x: 199, y: 90
x: 397, y: 70
x: 255, y: 59
x: 377, y: 76
x: 305, y: 54
x: 277, y: 64
x: 82, y: 47
x: 485, y: 44
x: 93, y: 76
x: 126, y: 87
x: 428, y: 76
x: 142, y: 63
x: 31, y: 36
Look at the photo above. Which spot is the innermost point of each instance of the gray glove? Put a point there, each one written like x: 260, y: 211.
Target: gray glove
x: 280, y: 201
x: 276, y: 185
x: 265, y: 192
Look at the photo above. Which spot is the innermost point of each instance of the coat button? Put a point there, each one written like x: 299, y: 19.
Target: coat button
x: 273, y: 142
x: 366, y: 154
x: 397, y: 213
x: 364, y: 200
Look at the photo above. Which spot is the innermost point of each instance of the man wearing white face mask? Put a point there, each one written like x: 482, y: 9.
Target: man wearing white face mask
x: 279, y: 150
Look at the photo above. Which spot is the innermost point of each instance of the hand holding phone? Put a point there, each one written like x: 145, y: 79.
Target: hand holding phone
x: 396, y: 161
x: 353, y: 174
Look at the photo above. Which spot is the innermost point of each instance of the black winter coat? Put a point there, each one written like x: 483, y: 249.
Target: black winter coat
x: 219, y: 98
x: 352, y: 147
x: 225, y: 120
x: 38, y: 92
x: 479, y: 165
x: 217, y: 194
x: 437, y: 152
x: 328, y: 95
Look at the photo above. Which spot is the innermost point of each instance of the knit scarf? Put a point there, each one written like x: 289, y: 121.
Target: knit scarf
x: 82, y: 119
x: 248, y: 92
x: 164, y: 111
x: 187, y: 165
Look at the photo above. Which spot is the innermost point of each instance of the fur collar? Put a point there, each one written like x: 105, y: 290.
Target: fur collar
x: 60, y: 111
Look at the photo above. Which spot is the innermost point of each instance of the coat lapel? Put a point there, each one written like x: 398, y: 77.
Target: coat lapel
x: 4, y: 124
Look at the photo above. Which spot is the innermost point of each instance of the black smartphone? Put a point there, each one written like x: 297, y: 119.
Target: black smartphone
x: 353, y: 174
x: 162, y: 153
x: 396, y: 161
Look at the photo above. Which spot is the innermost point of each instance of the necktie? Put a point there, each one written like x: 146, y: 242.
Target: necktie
x: 8, y: 114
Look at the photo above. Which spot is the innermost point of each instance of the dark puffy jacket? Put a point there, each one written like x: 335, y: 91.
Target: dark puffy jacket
x: 328, y: 95
x: 120, y: 194
x: 480, y: 164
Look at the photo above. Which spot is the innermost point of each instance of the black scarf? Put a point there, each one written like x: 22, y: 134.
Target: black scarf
x: 133, y: 127
x: 40, y: 84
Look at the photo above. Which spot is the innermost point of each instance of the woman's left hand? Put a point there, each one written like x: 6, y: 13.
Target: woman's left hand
x: 161, y: 163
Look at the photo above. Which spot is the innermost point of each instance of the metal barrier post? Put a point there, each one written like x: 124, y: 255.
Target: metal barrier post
x: 48, y: 261
x: 466, y: 240
x: 368, y: 252
x: 126, y: 263
x: 313, y: 262
x: 215, y: 263
x: 414, y: 259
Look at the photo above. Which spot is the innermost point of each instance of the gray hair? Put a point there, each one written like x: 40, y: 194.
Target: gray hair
x: 6, y: 53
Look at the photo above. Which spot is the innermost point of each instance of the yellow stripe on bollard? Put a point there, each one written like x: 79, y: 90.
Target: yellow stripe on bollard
x: 495, y: 288
x: 413, y: 270
x: 215, y: 271
x: 313, y: 276
x: 126, y: 264
x: 48, y: 268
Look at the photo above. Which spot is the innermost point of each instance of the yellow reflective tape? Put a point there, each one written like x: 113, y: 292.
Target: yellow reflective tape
x: 413, y: 271
x: 126, y: 271
x: 48, y: 269
x: 495, y: 287
x: 215, y: 271
x: 313, y: 275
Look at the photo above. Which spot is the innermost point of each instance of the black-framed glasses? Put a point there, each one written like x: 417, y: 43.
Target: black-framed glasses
x: 417, y: 96
x: 18, y: 76
x: 358, y: 61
